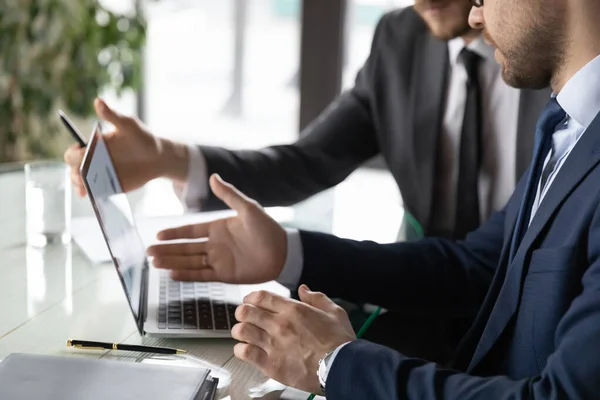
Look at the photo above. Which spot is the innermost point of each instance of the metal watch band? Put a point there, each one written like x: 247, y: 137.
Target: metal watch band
x: 322, y: 369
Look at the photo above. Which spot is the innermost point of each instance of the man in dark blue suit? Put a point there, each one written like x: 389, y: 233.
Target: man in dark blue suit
x: 531, y: 274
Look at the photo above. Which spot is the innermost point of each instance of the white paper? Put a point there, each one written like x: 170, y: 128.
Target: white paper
x: 87, y: 234
x: 271, y: 387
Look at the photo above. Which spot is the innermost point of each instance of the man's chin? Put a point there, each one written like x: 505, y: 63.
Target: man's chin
x: 523, y: 80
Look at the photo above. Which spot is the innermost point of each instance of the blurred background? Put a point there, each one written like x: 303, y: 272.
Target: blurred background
x: 233, y: 73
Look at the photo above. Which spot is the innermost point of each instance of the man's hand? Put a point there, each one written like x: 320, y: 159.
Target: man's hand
x: 138, y: 155
x: 286, y: 338
x: 248, y: 248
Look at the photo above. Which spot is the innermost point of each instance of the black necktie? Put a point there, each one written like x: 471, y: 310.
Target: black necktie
x: 546, y: 125
x: 467, y: 192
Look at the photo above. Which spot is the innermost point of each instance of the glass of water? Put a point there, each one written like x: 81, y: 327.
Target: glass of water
x: 48, y: 203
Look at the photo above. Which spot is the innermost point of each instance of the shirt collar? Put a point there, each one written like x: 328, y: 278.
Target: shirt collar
x: 580, y: 97
x: 477, y: 45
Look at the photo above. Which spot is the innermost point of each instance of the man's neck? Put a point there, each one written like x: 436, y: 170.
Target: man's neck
x: 581, y: 45
x: 573, y: 62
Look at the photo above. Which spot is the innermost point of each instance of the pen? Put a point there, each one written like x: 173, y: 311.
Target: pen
x: 71, y: 128
x: 89, y: 345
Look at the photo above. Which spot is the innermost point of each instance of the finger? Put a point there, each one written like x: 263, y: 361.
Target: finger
x: 75, y: 178
x: 74, y: 155
x: 194, y: 275
x: 195, y: 231
x: 268, y: 301
x: 316, y: 299
x: 196, y: 261
x: 108, y: 114
x: 80, y: 189
x: 249, y: 333
x: 256, y: 316
x: 177, y: 249
x: 252, y: 354
x: 235, y: 199
x: 77, y: 182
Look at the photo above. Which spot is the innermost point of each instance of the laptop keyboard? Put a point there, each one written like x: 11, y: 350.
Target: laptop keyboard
x: 193, y: 305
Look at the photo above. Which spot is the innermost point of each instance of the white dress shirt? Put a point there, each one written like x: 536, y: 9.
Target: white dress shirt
x: 580, y: 98
x: 500, y: 106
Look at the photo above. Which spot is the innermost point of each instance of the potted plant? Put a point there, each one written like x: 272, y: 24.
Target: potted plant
x: 59, y: 54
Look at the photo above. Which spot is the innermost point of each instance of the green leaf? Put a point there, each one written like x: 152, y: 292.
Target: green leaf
x: 49, y: 59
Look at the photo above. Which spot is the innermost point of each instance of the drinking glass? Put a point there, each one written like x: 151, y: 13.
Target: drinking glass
x: 47, y: 203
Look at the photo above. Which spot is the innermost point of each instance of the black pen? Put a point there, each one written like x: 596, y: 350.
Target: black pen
x: 71, y: 128
x: 89, y: 345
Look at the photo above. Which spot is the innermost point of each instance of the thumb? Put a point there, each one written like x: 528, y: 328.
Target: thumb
x: 235, y: 199
x: 316, y: 299
x: 106, y: 113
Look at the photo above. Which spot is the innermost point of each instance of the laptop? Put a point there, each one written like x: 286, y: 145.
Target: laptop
x: 161, y: 307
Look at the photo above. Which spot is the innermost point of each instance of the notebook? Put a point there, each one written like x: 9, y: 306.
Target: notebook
x: 28, y: 376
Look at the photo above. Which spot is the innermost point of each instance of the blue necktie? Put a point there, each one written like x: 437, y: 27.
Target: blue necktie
x: 545, y: 128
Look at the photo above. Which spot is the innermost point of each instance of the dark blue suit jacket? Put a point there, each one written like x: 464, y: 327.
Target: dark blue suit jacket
x: 537, y: 330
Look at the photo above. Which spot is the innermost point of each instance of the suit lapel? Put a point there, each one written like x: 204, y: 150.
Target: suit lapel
x: 583, y: 158
x: 531, y: 104
x: 465, y: 359
x: 470, y: 343
x: 430, y: 71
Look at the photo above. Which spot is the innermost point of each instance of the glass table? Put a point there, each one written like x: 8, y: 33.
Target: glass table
x: 53, y: 294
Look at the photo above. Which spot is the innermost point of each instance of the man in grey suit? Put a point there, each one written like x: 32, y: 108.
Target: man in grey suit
x: 430, y: 99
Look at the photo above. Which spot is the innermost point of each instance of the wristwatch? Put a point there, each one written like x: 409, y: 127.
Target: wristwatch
x: 322, y: 371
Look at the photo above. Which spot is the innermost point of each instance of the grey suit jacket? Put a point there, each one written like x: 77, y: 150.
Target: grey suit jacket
x: 395, y: 110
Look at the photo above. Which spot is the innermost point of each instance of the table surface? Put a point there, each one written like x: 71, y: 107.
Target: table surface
x: 52, y: 294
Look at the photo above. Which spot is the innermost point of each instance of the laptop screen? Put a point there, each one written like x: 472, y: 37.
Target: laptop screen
x: 115, y: 217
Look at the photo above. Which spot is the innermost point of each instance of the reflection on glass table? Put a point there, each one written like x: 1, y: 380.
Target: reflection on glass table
x: 49, y: 276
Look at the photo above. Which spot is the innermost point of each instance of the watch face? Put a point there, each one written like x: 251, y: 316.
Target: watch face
x: 322, y: 373
x: 322, y: 370
x: 327, y: 359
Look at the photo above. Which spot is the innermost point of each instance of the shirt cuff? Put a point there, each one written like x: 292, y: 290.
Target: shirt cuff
x: 332, y: 359
x: 294, y: 260
x: 195, y: 190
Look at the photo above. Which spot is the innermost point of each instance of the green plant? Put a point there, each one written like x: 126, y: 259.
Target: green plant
x: 59, y: 53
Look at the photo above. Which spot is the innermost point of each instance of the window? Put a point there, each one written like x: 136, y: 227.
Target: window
x: 220, y: 73
x: 223, y: 72
x: 362, y: 18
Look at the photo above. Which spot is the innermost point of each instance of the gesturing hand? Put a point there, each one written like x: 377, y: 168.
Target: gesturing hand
x: 286, y: 338
x: 133, y: 150
x: 248, y: 248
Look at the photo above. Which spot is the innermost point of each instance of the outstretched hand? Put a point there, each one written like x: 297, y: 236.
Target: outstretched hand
x: 250, y: 247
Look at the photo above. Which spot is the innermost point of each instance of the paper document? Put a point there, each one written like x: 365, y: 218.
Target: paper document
x: 273, y: 389
x: 88, y: 236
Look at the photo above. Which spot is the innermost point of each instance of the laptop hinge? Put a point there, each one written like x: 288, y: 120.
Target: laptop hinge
x: 143, y: 300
